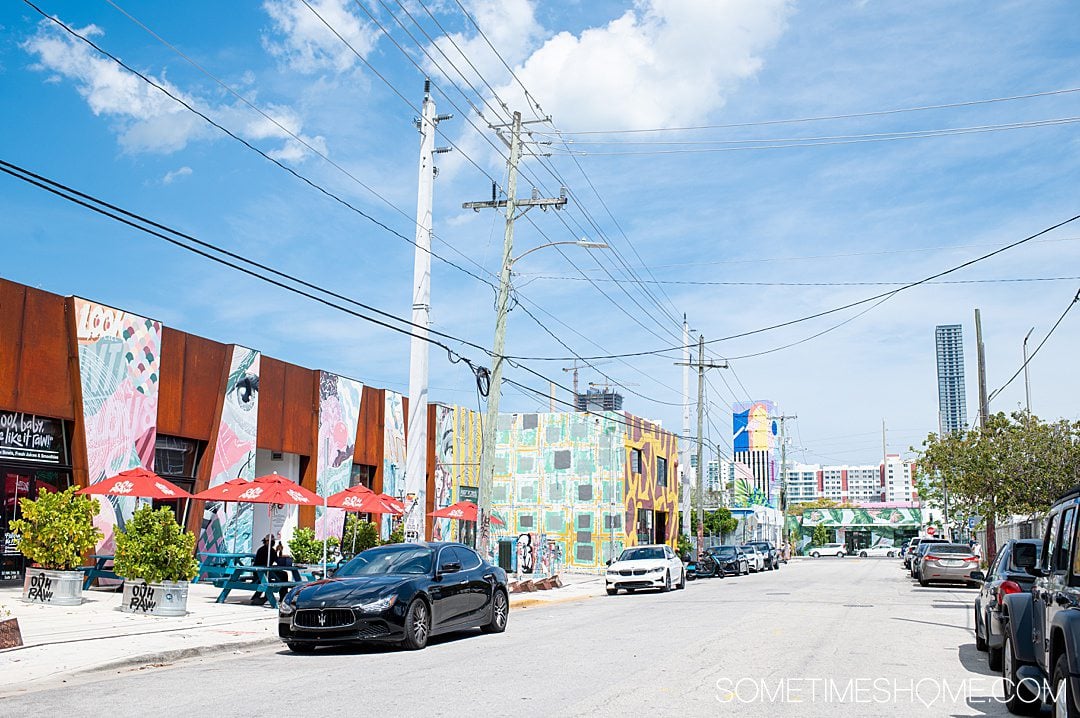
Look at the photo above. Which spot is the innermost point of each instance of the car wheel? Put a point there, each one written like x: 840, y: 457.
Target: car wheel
x: 630, y: 590
x: 1019, y: 699
x: 923, y: 582
x: 891, y: 554
x: 500, y: 613
x: 301, y: 647
x: 667, y: 582
x: 1064, y: 703
x: 980, y: 641
x: 815, y: 554
x: 612, y: 591
x: 417, y: 625
x: 682, y: 577
x: 862, y: 554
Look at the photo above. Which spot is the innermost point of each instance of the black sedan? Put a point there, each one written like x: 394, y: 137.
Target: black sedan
x: 398, y: 593
x: 730, y: 560
x: 1003, y: 577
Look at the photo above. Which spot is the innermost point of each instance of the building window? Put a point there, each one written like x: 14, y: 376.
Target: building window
x: 177, y: 459
x: 635, y: 461
x: 661, y: 471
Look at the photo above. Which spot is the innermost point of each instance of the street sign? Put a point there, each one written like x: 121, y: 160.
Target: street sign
x: 930, y: 530
x: 971, y: 522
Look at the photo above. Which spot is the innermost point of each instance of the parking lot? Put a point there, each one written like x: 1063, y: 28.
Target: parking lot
x: 826, y: 637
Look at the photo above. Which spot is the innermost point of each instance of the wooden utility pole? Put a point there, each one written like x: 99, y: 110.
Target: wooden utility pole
x: 701, y: 365
x: 491, y: 417
x: 984, y: 414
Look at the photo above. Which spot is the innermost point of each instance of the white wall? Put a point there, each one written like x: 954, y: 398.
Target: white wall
x: 283, y: 520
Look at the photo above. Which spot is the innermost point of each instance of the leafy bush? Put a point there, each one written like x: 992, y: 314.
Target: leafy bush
x: 154, y: 548
x: 821, y: 535
x: 305, y: 548
x: 685, y: 547
x: 57, y: 529
x: 359, y: 536
x: 397, y: 535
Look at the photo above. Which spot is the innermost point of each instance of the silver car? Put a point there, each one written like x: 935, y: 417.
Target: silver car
x: 754, y: 557
x: 948, y: 562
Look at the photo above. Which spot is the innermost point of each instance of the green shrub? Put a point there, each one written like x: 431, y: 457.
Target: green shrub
x: 821, y: 535
x: 57, y: 529
x: 359, y: 536
x: 305, y: 548
x: 154, y: 548
x: 397, y: 535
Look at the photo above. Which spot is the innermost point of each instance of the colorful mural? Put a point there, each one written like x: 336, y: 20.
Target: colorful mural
x: 570, y: 495
x: 753, y: 426
x: 393, y: 451
x: 227, y: 526
x: 746, y: 494
x: 339, y: 412
x: 877, y: 526
x: 118, y: 373
x: 651, y: 496
x: 457, y: 464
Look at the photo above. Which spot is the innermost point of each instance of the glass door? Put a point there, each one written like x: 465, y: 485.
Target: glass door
x: 15, y: 485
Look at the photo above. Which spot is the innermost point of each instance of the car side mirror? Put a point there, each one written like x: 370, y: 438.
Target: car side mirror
x: 451, y: 567
x: 977, y: 576
x: 608, y: 562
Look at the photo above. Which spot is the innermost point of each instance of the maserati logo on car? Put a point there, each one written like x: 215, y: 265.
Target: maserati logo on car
x: 322, y: 618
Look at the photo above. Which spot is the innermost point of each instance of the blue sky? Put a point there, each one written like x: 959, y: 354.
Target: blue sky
x: 842, y: 211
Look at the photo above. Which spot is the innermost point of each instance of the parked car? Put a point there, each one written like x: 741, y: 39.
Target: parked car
x: 755, y: 558
x: 947, y: 563
x: 920, y: 549
x: 771, y: 553
x: 1003, y: 577
x: 402, y: 593
x: 829, y: 549
x: 909, y: 552
x: 730, y: 560
x: 879, y: 550
x: 1041, y: 650
x: 654, y: 566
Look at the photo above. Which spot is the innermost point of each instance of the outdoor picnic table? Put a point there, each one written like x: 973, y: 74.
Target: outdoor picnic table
x: 217, y: 567
x: 257, y: 579
x: 98, y: 569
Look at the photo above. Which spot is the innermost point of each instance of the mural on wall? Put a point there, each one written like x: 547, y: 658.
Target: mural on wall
x: 227, y: 526
x: 746, y: 494
x: 393, y: 452
x: 644, y: 489
x: 457, y: 464
x: 339, y: 413
x: 879, y: 527
x: 119, y: 366
x: 559, y: 482
x: 754, y: 429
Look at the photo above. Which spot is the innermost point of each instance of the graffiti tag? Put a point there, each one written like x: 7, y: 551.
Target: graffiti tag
x: 40, y: 589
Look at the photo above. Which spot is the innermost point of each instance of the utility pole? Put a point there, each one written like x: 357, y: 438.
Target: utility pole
x: 701, y: 365
x: 416, y: 442
x: 783, y: 460
x: 984, y: 414
x: 684, y: 459
x: 491, y: 417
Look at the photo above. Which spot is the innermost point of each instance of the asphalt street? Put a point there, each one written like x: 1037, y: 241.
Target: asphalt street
x: 827, y: 637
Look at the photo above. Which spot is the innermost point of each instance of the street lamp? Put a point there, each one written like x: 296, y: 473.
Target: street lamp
x: 491, y: 416
x: 1027, y: 383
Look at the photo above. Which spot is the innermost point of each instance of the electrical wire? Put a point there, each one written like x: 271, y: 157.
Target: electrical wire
x: 999, y: 280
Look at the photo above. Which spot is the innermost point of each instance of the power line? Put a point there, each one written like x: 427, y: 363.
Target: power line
x: 853, y: 115
x: 1000, y: 389
x: 816, y: 284
x: 884, y: 296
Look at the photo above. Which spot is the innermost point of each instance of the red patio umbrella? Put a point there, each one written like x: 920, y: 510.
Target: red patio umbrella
x: 276, y: 489
x: 391, y: 502
x: 361, y: 500
x: 464, y: 511
x: 140, y: 483
x: 224, y: 492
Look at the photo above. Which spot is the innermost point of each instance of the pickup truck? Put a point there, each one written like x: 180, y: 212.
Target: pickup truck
x: 1041, y: 650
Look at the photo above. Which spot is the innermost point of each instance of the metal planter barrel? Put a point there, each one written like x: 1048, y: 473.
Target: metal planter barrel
x: 55, y: 588
x: 168, y: 598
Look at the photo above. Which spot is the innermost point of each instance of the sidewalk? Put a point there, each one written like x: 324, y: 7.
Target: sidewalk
x: 60, y: 642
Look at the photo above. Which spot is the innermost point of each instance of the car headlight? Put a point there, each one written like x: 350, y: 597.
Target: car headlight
x: 612, y: 572
x: 377, y: 606
x: 285, y: 608
x: 656, y: 570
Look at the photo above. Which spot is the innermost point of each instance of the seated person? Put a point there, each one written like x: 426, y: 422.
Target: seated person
x: 270, y: 554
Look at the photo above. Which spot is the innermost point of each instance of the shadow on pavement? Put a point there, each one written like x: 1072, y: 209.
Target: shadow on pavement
x: 974, y: 660
x: 366, y: 649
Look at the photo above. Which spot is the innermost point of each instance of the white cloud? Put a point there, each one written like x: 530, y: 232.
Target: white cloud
x: 176, y: 174
x: 307, y: 45
x: 146, y: 120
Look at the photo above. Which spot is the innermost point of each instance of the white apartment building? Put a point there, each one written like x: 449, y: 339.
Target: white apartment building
x: 890, y: 481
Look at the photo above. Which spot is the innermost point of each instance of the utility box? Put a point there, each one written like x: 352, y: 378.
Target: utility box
x: 507, y: 554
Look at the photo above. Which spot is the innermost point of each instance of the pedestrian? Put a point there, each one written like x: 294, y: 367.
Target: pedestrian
x: 976, y: 548
x: 270, y: 554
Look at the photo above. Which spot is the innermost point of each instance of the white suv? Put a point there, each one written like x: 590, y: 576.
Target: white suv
x: 829, y: 549
x: 654, y: 566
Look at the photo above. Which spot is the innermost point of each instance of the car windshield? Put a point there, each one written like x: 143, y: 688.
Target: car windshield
x: 641, y: 554
x: 749, y: 548
x: 948, y: 548
x: 722, y: 550
x: 389, y: 559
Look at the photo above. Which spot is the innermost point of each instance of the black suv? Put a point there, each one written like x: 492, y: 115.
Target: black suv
x: 1041, y: 649
x: 772, y: 555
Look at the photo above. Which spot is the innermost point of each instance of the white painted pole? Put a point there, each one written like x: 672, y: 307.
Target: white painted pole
x: 416, y: 443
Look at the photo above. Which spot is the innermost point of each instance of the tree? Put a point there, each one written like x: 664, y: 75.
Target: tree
x: 821, y: 535
x: 719, y: 522
x: 1014, y: 465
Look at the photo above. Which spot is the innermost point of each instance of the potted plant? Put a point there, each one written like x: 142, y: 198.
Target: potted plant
x: 156, y: 559
x: 10, y: 634
x: 308, y: 550
x: 55, y: 530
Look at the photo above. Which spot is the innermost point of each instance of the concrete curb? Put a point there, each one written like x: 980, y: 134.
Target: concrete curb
x: 534, y: 602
